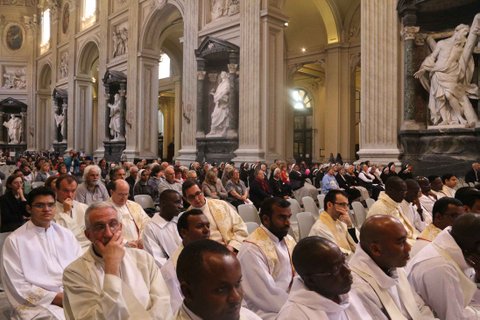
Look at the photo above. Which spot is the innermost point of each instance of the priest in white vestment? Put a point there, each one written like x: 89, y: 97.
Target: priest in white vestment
x: 427, y: 198
x: 378, y: 277
x: 160, y: 235
x: 210, y: 278
x: 445, y: 211
x: 33, y: 260
x: 446, y: 272
x: 70, y: 213
x: 192, y: 225
x: 450, y: 182
x: 134, y: 218
x: 321, y: 291
x: 388, y: 203
x: 110, y: 281
x: 226, y: 225
x: 266, y: 260
x: 335, y: 224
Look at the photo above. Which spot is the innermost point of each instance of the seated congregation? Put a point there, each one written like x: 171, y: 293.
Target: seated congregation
x: 88, y: 246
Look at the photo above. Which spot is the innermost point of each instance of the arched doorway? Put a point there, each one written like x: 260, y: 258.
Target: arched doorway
x: 43, y: 138
x: 161, y: 67
x: 87, y: 133
x: 302, y: 103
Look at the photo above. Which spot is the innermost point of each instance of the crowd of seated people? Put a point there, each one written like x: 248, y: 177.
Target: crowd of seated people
x: 103, y: 256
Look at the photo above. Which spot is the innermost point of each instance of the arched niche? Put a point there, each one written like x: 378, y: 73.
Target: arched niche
x: 84, y: 130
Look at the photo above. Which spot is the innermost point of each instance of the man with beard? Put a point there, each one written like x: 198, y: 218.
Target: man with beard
x: 211, y: 281
x: 92, y: 189
x: 266, y: 260
x: 321, y: 291
x: 378, y: 277
x: 160, y: 235
x: 110, y: 281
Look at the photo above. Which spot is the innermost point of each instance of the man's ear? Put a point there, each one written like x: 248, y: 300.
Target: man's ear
x: 375, y: 249
x: 265, y: 220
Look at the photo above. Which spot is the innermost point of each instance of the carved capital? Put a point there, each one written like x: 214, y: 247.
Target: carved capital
x: 420, y: 39
x: 408, y: 33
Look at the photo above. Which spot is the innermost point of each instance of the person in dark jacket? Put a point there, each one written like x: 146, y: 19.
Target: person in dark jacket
x: 13, y: 205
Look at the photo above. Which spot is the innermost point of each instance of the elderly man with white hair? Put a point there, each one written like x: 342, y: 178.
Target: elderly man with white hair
x: 92, y: 189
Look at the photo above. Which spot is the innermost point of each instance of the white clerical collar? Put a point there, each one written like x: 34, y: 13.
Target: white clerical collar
x: 302, y: 295
x: 190, y: 313
x: 37, y: 229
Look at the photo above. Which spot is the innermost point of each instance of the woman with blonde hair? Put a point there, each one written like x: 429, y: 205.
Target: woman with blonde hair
x: 212, y: 187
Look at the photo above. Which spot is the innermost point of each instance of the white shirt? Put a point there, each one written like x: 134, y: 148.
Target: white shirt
x: 361, y: 260
x: 186, y: 314
x: 33, y: 261
x: 264, y: 294
x: 169, y: 273
x: 410, y: 211
x: 304, y: 304
x: 427, y: 203
x: 436, y: 279
x: 74, y: 220
x: 139, y: 292
x: 160, y: 238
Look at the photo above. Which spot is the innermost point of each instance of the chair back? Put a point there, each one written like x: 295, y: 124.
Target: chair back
x: 321, y: 198
x: 369, y: 202
x: 360, y: 213
x: 251, y: 226
x: 305, y: 223
x: 249, y: 213
x: 144, y: 200
x: 310, y: 206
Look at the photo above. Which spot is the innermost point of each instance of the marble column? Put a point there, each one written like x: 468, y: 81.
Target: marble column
x: 409, y: 112
x: 233, y: 106
x: 123, y: 107
x: 177, y: 115
x: 380, y: 76
x: 65, y: 121
x: 107, y: 114
x: 261, y: 83
x: 23, y: 116
x: 188, y: 151
x: 2, y: 114
x: 201, y: 105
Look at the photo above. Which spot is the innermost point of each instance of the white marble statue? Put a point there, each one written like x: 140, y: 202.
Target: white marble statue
x: 60, y: 123
x: 120, y: 40
x: 115, y: 117
x: 221, y: 97
x: 447, y: 73
x: 64, y: 65
x: 15, y: 129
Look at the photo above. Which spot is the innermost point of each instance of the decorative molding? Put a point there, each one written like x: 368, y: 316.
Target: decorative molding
x: 409, y: 32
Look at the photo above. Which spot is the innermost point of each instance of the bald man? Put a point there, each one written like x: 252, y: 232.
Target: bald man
x: 134, y: 217
x: 439, y: 272
x: 378, y: 277
x: 322, y: 289
x: 170, y: 182
x: 388, y: 203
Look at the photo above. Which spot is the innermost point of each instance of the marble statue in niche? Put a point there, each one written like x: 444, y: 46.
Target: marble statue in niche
x: 60, y: 124
x: 115, y: 117
x: 64, y: 65
x: 120, y: 39
x: 14, y: 37
x: 221, y: 111
x: 233, y: 7
x: 14, y: 78
x: 447, y: 74
x: 15, y: 128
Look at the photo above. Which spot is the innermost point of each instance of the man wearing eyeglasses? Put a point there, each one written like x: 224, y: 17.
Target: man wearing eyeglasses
x: 226, y: 225
x: 335, y: 224
x: 446, y: 273
x: 110, y: 281
x: 322, y: 289
x: 34, y: 258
